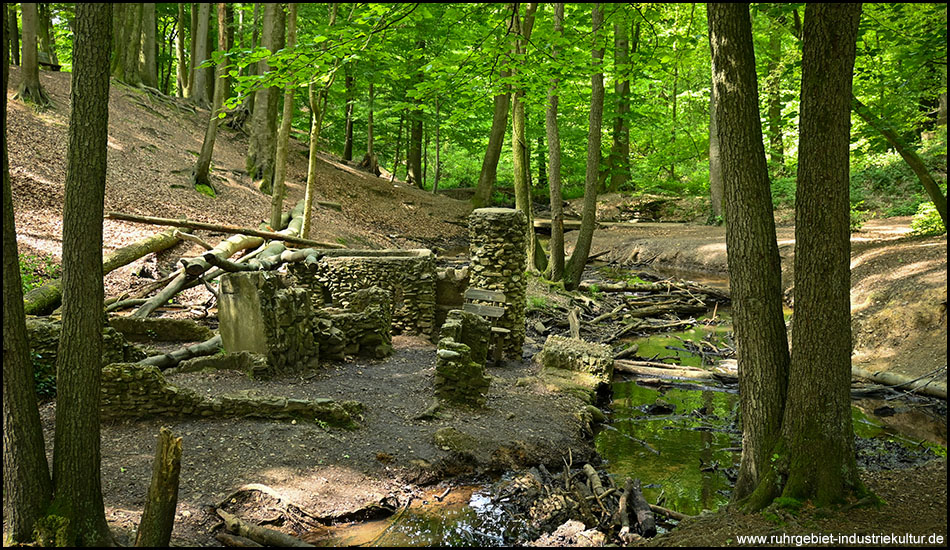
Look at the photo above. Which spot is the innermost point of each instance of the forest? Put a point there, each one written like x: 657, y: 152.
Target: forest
x: 363, y: 172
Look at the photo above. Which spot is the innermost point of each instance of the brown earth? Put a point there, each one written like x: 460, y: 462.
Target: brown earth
x: 899, y: 299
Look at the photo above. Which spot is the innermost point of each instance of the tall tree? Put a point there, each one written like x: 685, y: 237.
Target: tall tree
x: 262, y: 146
x: 552, y: 132
x: 76, y: 476
x: 199, y: 88
x: 128, y: 43
x: 501, y: 105
x: 575, y: 266
x: 26, y: 481
x: 283, y: 136
x: 773, y: 81
x: 754, y: 264
x: 414, y: 173
x: 817, y: 432
x: 13, y: 32
x: 519, y: 143
x: 45, y: 32
x: 182, y: 65
x: 200, y: 175
x: 620, y: 150
x: 30, y: 88
x: 349, y: 83
x: 149, y: 46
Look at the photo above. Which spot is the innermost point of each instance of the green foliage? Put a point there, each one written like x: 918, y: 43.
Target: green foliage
x: 927, y: 221
x: 783, y: 192
x: 858, y: 217
x: 537, y: 303
x: 206, y: 190
x: 44, y: 374
x: 788, y: 503
x: 35, y: 271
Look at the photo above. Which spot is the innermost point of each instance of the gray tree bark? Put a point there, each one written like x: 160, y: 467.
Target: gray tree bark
x: 262, y: 147
x: 283, y: 136
x: 754, y: 265
x: 149, y: 46
x: 30, y: 88
x: 77, y: 491
x: 27, y: 487
x: 199, y: 88
x: 200, y: 175
x: 575, y: 266
x: 552, y: 132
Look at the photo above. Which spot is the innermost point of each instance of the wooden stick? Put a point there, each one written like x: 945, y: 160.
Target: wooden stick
x: 643, y: 512
x: 158, y: 518
x: 193, y: 238
x: 221, y: 228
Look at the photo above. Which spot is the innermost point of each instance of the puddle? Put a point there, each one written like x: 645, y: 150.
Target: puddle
x: 465, y: 517
x: 686, y: 457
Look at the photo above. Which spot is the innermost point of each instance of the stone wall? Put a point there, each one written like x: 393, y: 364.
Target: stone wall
x: 365, y: 328
x: 408, y: 275
x: 260, y: 314
x: 498, y: 238
x: 450, y: 285
x: 460, y: 359
x: 135, y: 390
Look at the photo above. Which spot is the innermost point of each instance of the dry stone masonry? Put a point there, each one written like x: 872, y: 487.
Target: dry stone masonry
x: 364, y: 328
x: 573, y: 354
x: 260, y: 314
x: 498, y: 238
x: 460, y: 360
x: 408, y: 275
x: 135, y: 390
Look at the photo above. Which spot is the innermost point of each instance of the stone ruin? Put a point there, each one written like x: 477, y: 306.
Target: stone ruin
x: 498, y: 238
x: 408, y: 275
x: 460, y: 359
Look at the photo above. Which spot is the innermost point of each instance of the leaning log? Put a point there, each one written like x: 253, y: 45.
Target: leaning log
x: 262, y: 535
x: 926, y: 385
x: 293, y: 239
x: 169, y: 360
x: 44, y: 299
x: 158, y: 518
x: 643, y: 512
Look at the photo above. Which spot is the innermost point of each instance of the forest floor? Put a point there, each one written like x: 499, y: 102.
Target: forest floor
x: 898, y: 299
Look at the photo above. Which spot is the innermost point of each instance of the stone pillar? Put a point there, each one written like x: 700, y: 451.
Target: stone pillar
x: 498, y: 238
x: 259, y: 314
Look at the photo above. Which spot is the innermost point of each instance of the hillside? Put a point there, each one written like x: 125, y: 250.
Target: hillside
x: 153, y: 145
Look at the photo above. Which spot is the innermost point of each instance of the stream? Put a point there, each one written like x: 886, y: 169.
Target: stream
x: 682, y: 440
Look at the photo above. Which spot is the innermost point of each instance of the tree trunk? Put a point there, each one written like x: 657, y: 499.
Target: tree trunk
x: 199, y: 89
x: 438, y: 148
x: 402, y: 121
x: 283, y: 136
x: 556, y: 244
x: 30, y: 88
x: 349, y: 84
x: 44, y: 28
x: 907, y: 152
x: 262, y: 146
x: 620, y: 150
x: 13, y: 33
x: 149, y: 46
x: 128, y: 40
x: 43, y: 300
x: 200, y: 176
x: 523, y: 199
x: 715, y: 161
x: 754, y: 266
x: 26, y: 481
x: 414, y: 155
x: 817, y: 430
x: 575, y: 266
x: 192, y: 54
x: 158, y: 517
x: 77, y: 492
x: 499, y: 123
x: 182, y: 69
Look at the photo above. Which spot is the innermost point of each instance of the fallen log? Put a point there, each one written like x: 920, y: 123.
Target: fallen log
x: 44, y: 299
x: 293, y: 239
x: 234, y: 541
x: 169, y: 360
x: 669, y: 372
x: 668, y: 513
x: 643, y: 512
x: 158, y: 518
x: 661, y: 286
x: 262, y: 535
x: 927, y: 384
